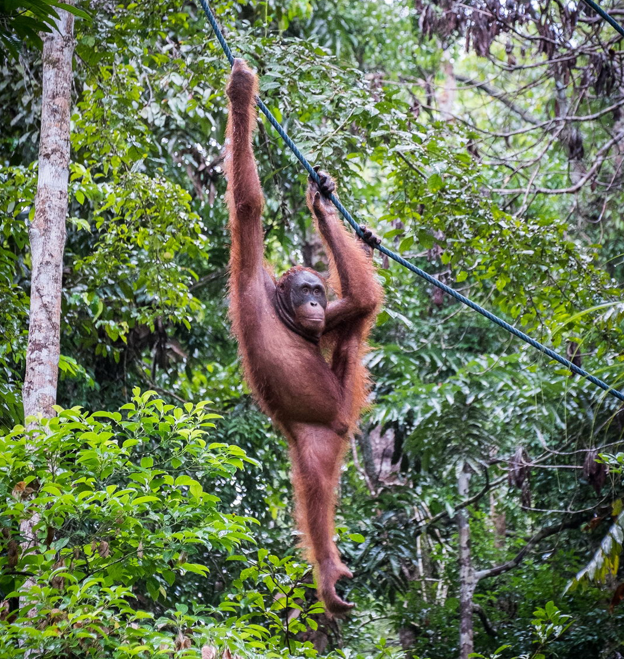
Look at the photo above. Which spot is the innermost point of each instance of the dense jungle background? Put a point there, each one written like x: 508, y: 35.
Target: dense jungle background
x: 481, y: 504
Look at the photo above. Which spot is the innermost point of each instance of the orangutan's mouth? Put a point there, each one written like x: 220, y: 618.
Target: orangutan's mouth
x: 312, y: 320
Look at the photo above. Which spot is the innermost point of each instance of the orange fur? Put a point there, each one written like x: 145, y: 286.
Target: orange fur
x: 314, y: 393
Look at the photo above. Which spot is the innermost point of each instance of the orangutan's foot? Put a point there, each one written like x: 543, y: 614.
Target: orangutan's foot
x: 329, y: 573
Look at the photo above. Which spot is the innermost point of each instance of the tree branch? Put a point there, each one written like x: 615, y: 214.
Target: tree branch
x: 601, y: 156
x: 487, y: 625
x: 213, y: 276
x: 501, y: 96
x: 536, y: 539
x: 467, y: 502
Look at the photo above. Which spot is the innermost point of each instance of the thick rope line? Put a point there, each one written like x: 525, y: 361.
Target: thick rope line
x: 396, y: 257
x: 607, y: 17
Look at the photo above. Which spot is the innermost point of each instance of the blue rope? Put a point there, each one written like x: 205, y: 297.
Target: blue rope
x: 396, y: 257
x: 607, y: 17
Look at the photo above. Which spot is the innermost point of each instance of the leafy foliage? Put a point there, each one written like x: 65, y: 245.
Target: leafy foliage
x: 108, y: 510
x: 105, y: 517
x: 386, y: 98
x: 23, y: 20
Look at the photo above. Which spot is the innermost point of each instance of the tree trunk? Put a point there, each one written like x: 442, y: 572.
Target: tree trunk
x: 47, y: 231
x: 446, y: 98
x: 47, y: 242
x: 466, y: 570
x: 499, y: 521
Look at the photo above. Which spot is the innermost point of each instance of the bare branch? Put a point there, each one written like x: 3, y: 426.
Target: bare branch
x: 467, y: 502
x: 601, y: 156
x: 501, y: 96
x: 203, y: 281
x: 535, y: 540
x: 487, y: 625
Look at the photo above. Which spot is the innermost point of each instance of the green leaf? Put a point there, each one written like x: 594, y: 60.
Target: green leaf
x: 145, y: 499
x: 196, y: 489
x: 425, y: 239
x: 195, y: 567
x: 357, y: 537
x: 435, y: 183
x: 406, y: 244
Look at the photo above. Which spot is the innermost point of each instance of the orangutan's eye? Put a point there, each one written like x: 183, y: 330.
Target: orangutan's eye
x: 317, y: 291
x: 306, y: 290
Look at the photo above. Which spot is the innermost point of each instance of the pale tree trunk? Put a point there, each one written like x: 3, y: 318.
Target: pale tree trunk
x: 47, y: 231
x: 47, y: 240
x: 497, y: 514
x: 446, y: 98
x: 466, y: 571
x: 499, y: 521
